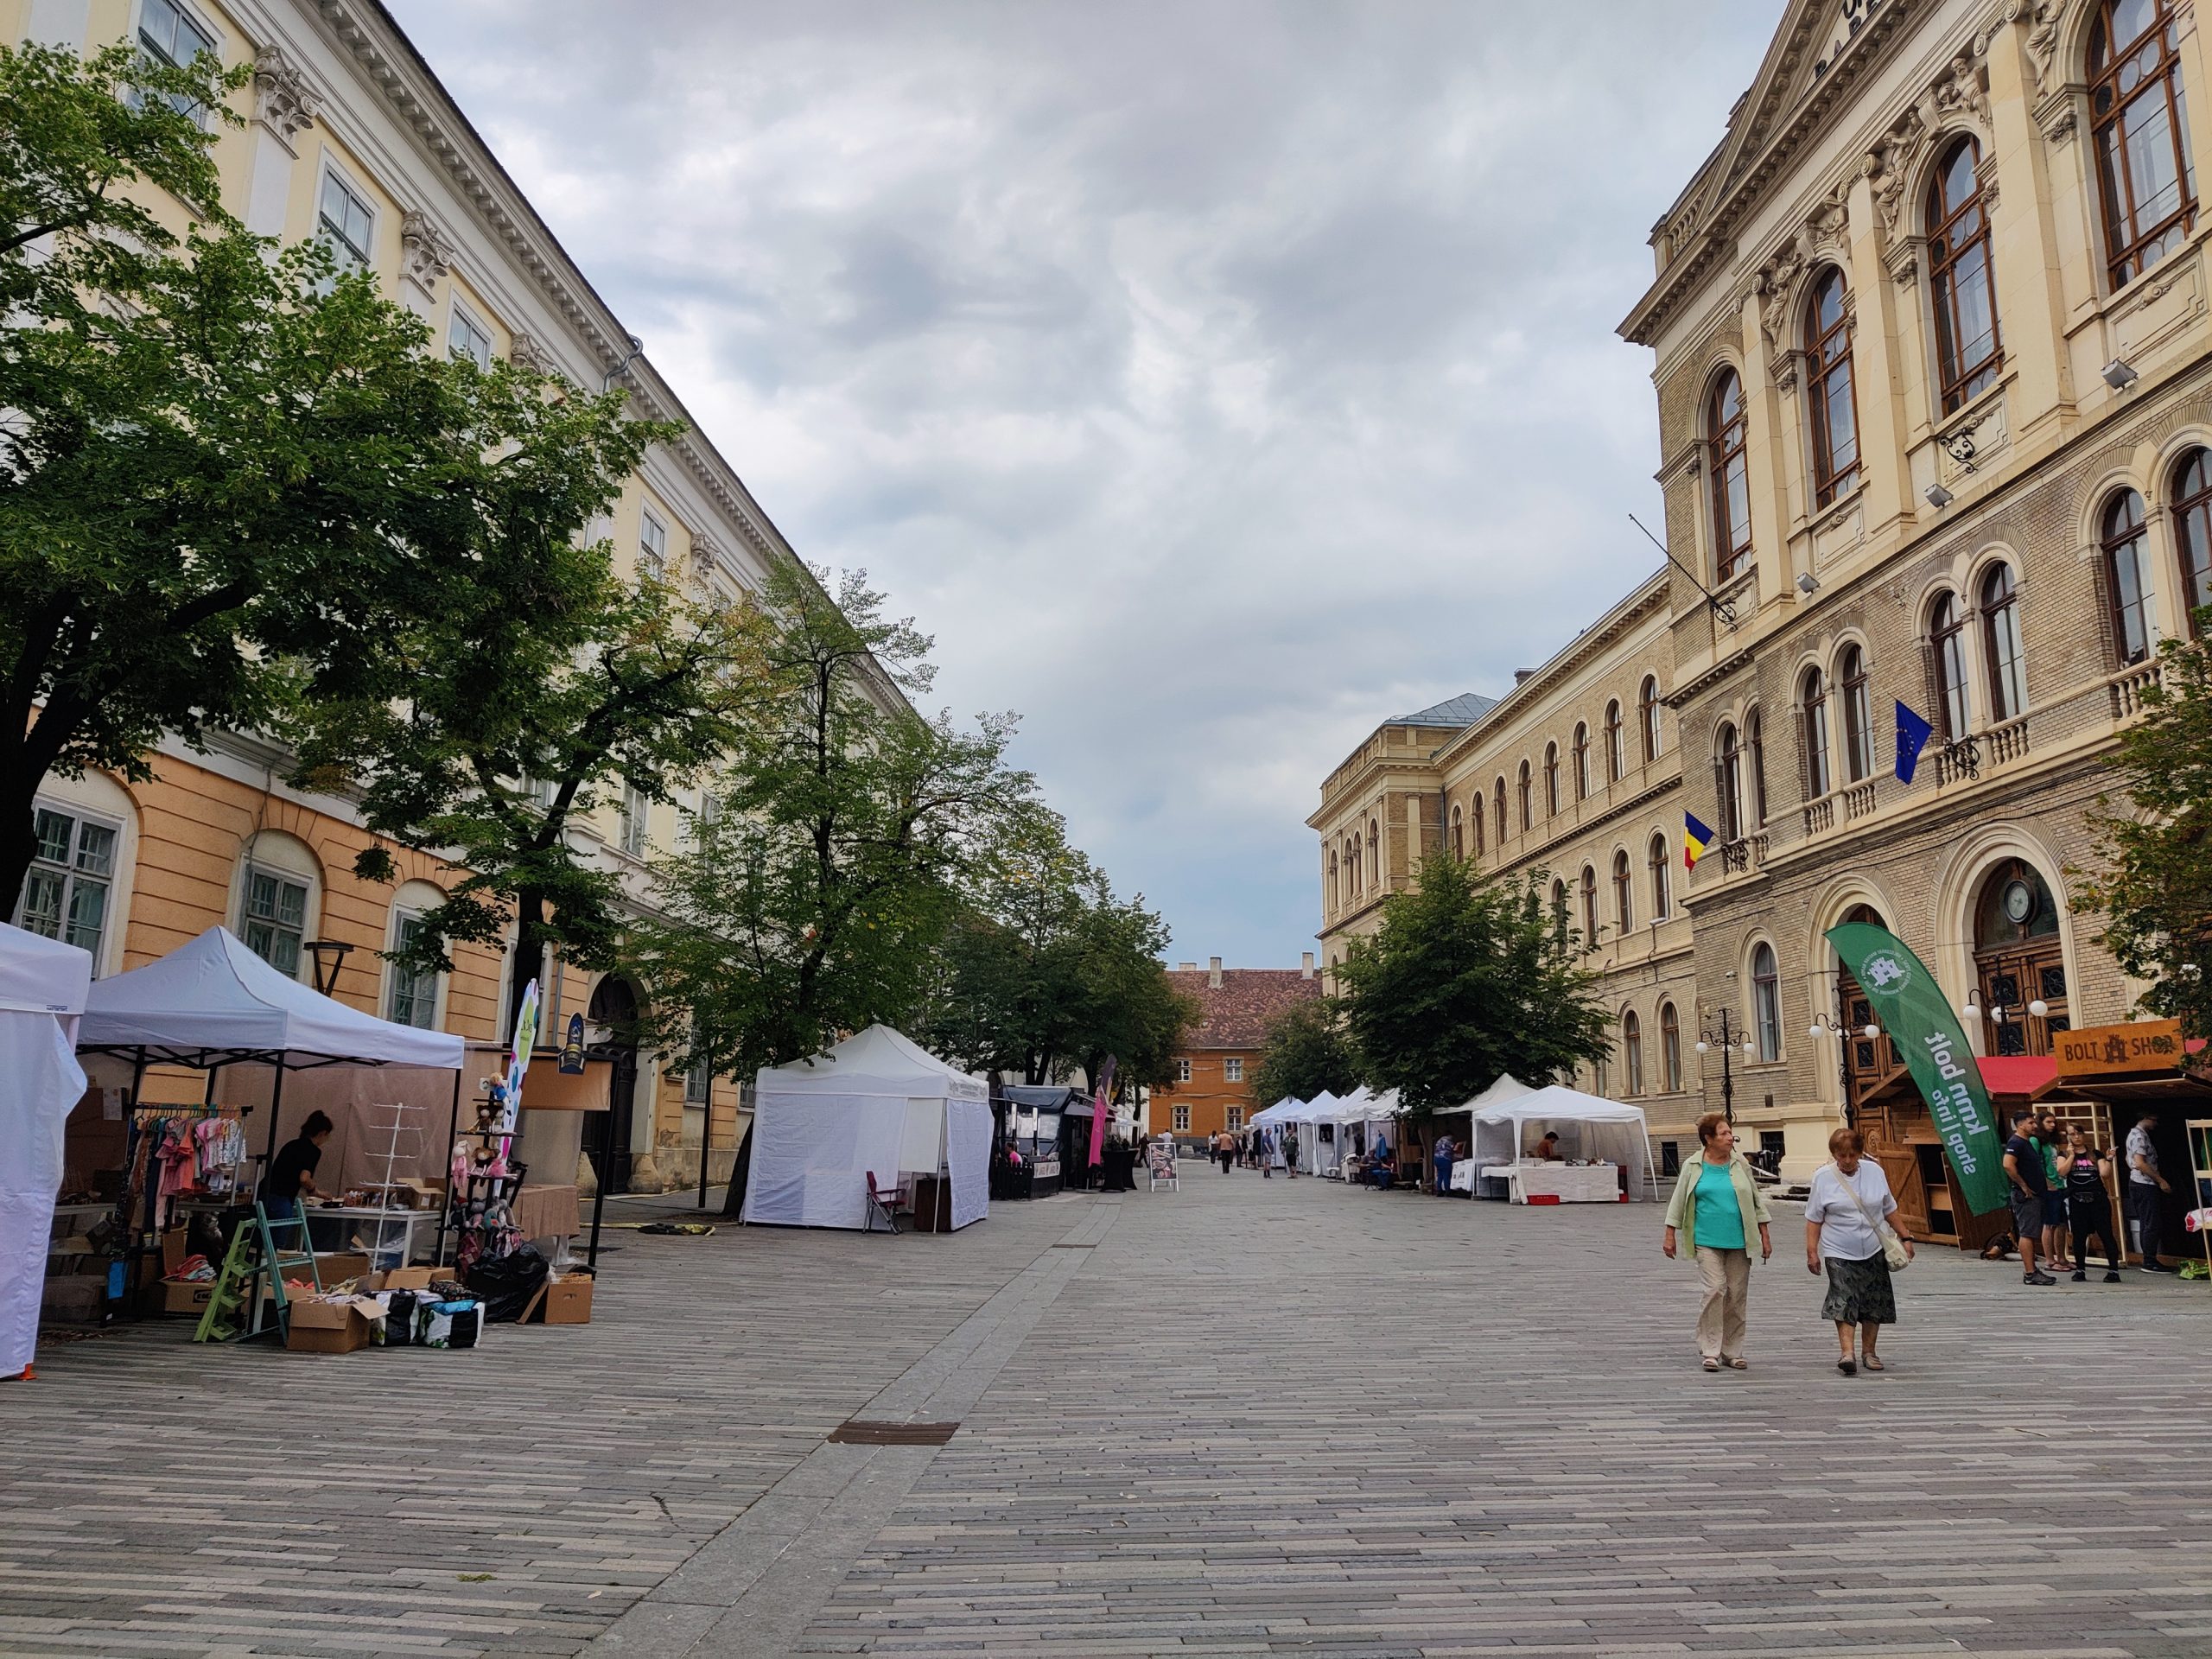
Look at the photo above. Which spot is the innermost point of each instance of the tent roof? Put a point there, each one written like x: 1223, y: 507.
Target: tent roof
x: 41, y: 975
x: 1559, y: 1104
x: 1508, y: 1087
x: 211, y: 1001
x: 877, y: 1061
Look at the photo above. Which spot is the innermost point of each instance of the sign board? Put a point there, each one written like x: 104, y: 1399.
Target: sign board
x: 2109, y: 1051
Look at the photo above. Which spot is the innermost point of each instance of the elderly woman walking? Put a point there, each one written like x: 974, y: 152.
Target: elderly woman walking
x: 1716, y: 1205
x: 1847, y: 1219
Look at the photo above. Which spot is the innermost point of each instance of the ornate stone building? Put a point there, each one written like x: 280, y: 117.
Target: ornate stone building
x: 1934, y: 408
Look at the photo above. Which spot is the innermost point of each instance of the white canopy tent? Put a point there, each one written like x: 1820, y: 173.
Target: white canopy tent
x: 1589, y: 1127
x: 877, y: 1104
x: 1508, y: 1087
x: 43, y: 988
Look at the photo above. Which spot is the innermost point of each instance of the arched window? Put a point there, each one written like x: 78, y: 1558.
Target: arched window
x: 1813, y: 732
x: 1828, y: 381
x: 1648, y: 715
x: 1559, y: 906
x: 1661, y: 904
x: 1755, y: 754
x: 1581, y: 761
x: 1858, y: 718
x: 1728, y: 781
x: 1374, y: 854
x: 1632, y: 1050
x: 2000, y: 640
x: 2140, y: 133
x: 1332, y: 879
x: 2127, y: 567
x: 1624, y: 895
x: 1528, y: 800
x: 1352, y: 865
x: 2192, y: 497
x: 1589, y: 908
x: 1476, y: 801
x: 1670, y: 1048
x: 1616, y: 757
x: 411, y: 996
x: 1458, y: 833
x: 1947, y: 647
x: 1732, y: 493
x: 1500, y: 815
x: 1551, y: 780
x: 1960, y: 282
x: 1766, y: 1002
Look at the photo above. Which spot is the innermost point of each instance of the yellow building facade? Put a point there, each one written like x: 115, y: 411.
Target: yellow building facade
x: 349, y: 138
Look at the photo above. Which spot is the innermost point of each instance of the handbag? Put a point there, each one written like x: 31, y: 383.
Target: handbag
x: 1893, y: 1250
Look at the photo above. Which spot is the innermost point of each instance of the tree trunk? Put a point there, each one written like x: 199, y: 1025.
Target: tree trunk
x: 529, y: 956
x: 18, y: 838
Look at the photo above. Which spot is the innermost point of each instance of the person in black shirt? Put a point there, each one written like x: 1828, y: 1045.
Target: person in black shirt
x: 2024, y: 1168
x: 2088, y: 1204
x: 292, y: 1173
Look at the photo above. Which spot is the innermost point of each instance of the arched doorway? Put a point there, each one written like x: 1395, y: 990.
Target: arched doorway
x: 607, y: 1134
x: 2019, y: 960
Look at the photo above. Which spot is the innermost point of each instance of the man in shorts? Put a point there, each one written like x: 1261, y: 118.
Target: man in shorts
x: 2024, y: 1168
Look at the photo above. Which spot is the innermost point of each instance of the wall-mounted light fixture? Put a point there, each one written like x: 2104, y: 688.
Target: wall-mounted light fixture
x: 1938, y: 497
x: 2119, y: 374
x: 1808, y: 584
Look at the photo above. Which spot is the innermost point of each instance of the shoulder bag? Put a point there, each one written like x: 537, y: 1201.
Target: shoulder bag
x: 1893, y: 1249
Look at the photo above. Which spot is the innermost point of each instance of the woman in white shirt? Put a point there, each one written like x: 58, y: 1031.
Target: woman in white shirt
x: 1844, y: 1218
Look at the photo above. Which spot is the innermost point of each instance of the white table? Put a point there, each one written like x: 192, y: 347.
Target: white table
x: 1561, y: 1183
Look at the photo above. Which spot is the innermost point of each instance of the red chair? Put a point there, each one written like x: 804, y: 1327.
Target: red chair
x: 886, y: 1201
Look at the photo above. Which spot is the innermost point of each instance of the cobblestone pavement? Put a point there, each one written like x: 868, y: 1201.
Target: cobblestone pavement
x: 1251, y: 1417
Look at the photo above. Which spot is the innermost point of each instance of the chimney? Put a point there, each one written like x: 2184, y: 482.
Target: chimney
x: 1305, y: 965
x: 1521, y: 676
x: 1213, y: 972
x: 1186, y: 967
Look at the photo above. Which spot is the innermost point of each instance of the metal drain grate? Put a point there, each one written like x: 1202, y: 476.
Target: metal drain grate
x: 857, y: 1432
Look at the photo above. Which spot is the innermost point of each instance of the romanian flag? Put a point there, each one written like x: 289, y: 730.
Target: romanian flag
x: 1696, y: 838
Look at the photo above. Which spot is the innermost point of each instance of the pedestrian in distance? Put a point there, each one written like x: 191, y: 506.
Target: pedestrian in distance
x: 1290, y: 1154
x: 1847, y: 1229
x: 1715, y: 1206
x: 2024, y: 1168
x: 2051, y: 1141
x: 2146, y: 1191
x: 1268, y: 1156
x: 1445, y: 1153
x: 2089, y: 1208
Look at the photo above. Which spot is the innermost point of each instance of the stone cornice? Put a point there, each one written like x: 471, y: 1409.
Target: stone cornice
x: 1721, y: 671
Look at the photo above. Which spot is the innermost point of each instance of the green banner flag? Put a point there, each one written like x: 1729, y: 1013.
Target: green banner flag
x: 1911, y: 1005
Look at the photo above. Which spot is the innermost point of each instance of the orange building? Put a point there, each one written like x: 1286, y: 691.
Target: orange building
x: 1211, y: 1089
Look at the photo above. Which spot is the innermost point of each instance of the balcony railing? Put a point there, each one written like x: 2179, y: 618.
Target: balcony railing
x: 2008, y: 742
x: 1858, y: 801
x: 2128, y: 686
x: 1957, y: 761
x: 1819, y: 815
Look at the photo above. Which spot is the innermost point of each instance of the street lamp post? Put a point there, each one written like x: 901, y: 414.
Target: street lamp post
x: 1834, y: 1026
x: 1729, y: 1039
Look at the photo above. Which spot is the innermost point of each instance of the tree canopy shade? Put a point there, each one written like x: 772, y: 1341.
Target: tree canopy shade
x: 2154, y: 888
x: 1308, y: 1054
x: 1467, y: 980
x: 229, y: 477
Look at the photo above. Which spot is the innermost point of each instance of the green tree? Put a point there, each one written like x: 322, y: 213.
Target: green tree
x: 1467, y: 980
x: 812, y: 905
x: 1309, y: 1053
x: 228, y: 474
x: 2154, y: 888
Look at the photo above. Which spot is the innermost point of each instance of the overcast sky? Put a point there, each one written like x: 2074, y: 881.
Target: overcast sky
x: 1215, y: 381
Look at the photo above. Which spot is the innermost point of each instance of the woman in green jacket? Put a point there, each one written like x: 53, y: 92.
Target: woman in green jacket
x: 1715, y: 1206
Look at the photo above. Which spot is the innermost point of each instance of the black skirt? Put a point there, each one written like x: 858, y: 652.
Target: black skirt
x: 1860, y: 1292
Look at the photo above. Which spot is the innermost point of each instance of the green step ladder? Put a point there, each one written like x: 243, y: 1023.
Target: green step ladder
x: 234, y: 1309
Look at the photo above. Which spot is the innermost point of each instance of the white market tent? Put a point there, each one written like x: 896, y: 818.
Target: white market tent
x: 1589, y: 1127
x: 878, y: 1104
x: 43, y: 988
x: 1508, y: 1087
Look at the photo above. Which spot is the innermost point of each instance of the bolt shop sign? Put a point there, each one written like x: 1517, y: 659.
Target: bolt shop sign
x: 1911, y: 1006
x: 2103, y: 1051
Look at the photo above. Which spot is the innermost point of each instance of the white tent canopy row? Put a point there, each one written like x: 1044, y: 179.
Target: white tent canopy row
x: 878, y: 1104
x: 1589, y: 1126
x: 43, y: 984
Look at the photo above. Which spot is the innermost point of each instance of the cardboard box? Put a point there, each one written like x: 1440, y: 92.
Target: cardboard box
x: 172, y: 1250
x: 327, y: 1328
x: 179, y: 1296
x: 76, y: 1300
x: 568, y: 1301
x: 399, y: 1278
x: 338, y: 1267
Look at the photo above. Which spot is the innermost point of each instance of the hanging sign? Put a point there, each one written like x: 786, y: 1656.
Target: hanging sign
x: 2106, y: 1051
x: 1912, y: 1008
x: 572, y: 1051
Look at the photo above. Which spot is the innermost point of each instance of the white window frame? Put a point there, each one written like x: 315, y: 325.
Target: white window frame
x: 1232, y: 1068
x: 348, y: 257
x: 247, y: 920
x: 463, y: 321
x: 634, y: 826
x: 1236, y: 1119
x: 433, y: 985
x: 652, y: 544
x: 1180, y: 1122
x: 191, y: 19
x: 1182, y: 1069
x: 72, y: 876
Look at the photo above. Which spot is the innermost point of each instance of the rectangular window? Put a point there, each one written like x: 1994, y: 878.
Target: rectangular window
x: 1232, y: 1071
x: 1670, y: 1157
x: 698, y: 1084
x: 653, y: 547
x: 1182, y: 1070
x: 274, y: 926
x: 72, y: 868
x: 1236, y: 1119
x: 1182, y: 1119
x: 634, y: 811
x: 1771, y: 1144
x: 171, y: 37
x: 413, y: 999
x: 468, y: 338
x: 344, y: 221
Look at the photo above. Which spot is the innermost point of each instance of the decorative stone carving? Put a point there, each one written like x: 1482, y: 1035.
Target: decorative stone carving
x: 1776, y: 278
x: 1957, y: 91
x: 282, y: 100
x: 2043, y: 40
x: 526, y: 353
x: 1890, y: 161
x: 427, y: 254
x: 706, y: 553
x: 1902, y: 258
x: 2058, y: 116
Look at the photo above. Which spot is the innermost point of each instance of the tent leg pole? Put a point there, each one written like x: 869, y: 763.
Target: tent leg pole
x: 276, y: 1100
x: 452, y: 1133
x: 706, y: 1141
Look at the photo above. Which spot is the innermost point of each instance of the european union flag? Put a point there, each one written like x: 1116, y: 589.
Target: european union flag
x: 1913, y: 733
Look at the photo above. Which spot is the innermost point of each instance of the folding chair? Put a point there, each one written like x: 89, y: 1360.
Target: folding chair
x: 885, y: 1201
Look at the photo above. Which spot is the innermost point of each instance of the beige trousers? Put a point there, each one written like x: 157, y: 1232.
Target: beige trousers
x: 1727, y: 1275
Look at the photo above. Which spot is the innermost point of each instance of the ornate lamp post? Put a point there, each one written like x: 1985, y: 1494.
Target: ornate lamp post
x: 337, y: 950
x: 1833, y: 1026
x: 1729, y: 1040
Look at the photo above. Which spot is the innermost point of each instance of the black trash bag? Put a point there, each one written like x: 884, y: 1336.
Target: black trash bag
x: 504, y: 1286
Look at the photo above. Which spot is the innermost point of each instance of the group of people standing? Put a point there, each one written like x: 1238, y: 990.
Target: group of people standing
x: 2060, y: 1196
